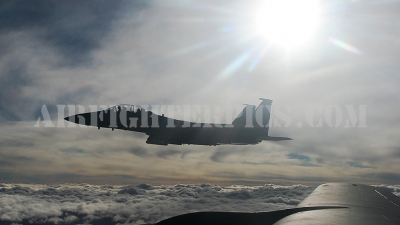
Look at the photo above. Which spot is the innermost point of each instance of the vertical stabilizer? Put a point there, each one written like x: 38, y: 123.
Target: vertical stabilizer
x: 246, y: 117
x: 263, y: 113
x: 255, y: 117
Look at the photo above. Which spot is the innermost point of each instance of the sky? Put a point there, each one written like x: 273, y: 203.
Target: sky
x: 331, y: 68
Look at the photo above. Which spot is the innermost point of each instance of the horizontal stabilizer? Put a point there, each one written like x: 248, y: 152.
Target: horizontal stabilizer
x: 276, y: 139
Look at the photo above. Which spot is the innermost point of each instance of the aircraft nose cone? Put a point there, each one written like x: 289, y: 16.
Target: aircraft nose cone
x: 83, y: 119
x: 73, y: 119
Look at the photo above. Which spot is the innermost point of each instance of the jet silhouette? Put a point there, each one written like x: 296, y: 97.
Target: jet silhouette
x: 250, y: 127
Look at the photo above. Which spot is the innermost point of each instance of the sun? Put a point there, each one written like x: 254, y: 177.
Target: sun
x: 288, y: 23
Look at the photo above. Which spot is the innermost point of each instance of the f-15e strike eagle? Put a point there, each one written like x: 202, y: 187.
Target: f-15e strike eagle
x: 250, y: 127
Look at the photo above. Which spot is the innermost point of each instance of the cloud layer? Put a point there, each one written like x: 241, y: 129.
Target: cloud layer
x: 139, y: 204
x: 136, y: 204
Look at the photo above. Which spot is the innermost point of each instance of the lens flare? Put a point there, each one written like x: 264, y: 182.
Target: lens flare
x: 289, y: 23
x: 345, y: 46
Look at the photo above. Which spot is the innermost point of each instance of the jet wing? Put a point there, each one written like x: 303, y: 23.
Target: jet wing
x: 334, y: 203
x: 364, y: 205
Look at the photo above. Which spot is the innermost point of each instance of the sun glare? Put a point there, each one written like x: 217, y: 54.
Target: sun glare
x: 288, y: 23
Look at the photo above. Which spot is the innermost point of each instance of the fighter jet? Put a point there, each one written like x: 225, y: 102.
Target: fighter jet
x: 250, y: 127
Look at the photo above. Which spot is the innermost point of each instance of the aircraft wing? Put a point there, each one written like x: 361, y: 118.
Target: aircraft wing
x: 333, y: 203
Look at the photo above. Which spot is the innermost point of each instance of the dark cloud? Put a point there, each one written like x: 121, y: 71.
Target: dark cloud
x: 186, y: 153
x: 74, y: 96
x: 304, y: 159
x: 73, y: 150
x: 63, y: 177
x: 49, y: 33
x: 167, y: 153
x: 128, y: 190
x: 221, y: 154
x: 241, y: 194
x: 145, y: 186
x: 14, y: 160
x: 358, y: 165
x: 73, y: 28
x: 392, y: 177
x: 13, y: 78
x: 300, y: 157
x: 17, y: 143
x: 138, y: 151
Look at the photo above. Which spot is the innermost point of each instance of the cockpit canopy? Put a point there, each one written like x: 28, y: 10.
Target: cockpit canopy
x: 126, y: 108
